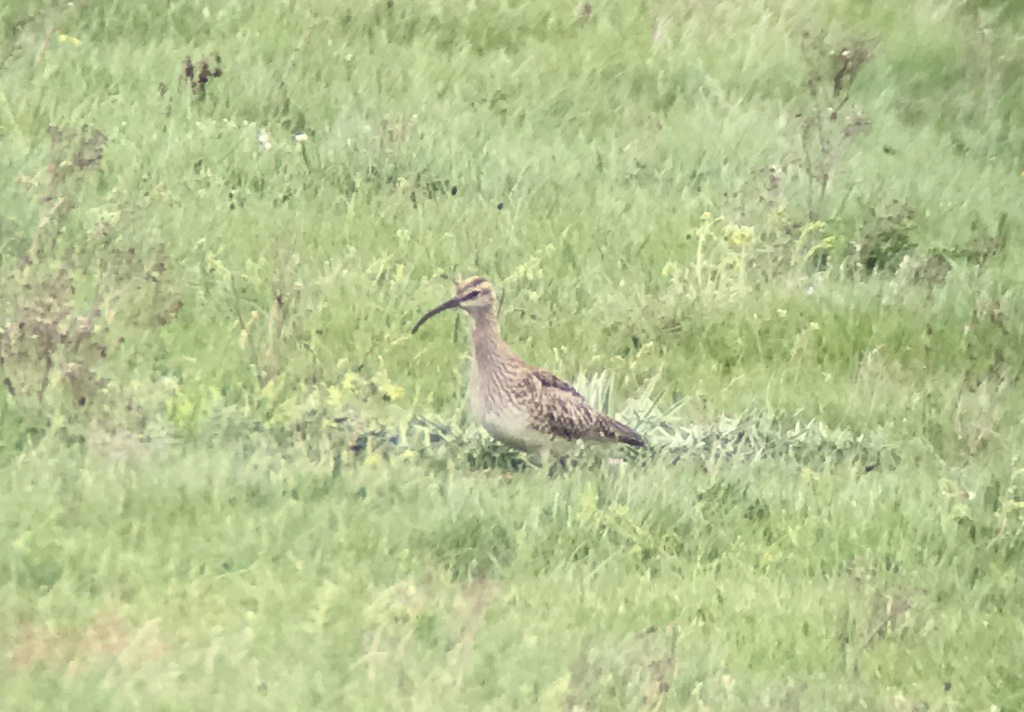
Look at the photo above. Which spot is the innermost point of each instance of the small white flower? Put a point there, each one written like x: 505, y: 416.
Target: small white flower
x: 264, y: 139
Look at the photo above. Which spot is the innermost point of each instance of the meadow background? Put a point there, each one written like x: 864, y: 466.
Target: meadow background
x: 780, y: 238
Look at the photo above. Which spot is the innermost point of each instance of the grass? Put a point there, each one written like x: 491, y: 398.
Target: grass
x: 779, y: 242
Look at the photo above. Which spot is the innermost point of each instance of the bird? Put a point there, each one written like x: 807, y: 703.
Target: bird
x: 523, y: 406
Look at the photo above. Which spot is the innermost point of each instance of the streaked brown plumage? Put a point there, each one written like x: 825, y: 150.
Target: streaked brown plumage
x: 525, y: 407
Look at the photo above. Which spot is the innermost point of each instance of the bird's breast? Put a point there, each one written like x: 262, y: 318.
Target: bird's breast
x: 502, y: 417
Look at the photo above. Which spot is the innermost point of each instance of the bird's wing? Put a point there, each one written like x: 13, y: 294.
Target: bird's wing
x: 556, y: 408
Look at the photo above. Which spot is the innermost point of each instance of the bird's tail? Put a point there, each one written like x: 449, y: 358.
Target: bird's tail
x: 614, y: 430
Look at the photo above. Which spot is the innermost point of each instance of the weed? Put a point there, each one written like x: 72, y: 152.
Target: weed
x: 197, y: 76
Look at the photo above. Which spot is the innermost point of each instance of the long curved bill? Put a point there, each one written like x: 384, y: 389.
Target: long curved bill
x: 451, y: 303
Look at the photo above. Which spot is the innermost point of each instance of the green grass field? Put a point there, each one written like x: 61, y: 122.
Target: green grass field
x: 781, y: 239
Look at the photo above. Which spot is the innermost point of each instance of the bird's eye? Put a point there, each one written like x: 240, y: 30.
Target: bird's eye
x: 473, y: 295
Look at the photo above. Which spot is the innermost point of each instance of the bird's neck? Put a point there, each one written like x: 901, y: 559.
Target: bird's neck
x: 488, y: 346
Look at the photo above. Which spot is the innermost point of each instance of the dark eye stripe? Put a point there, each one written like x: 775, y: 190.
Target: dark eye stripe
x: 473, y: 288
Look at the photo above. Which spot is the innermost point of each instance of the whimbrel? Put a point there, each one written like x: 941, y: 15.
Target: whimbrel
x: 525, y: 407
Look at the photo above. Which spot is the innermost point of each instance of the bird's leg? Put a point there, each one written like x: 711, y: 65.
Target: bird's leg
x: 545, y: 459
x: 558, y: 466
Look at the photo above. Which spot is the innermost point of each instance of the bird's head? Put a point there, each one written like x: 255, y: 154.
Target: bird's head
x: 474, y: 295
